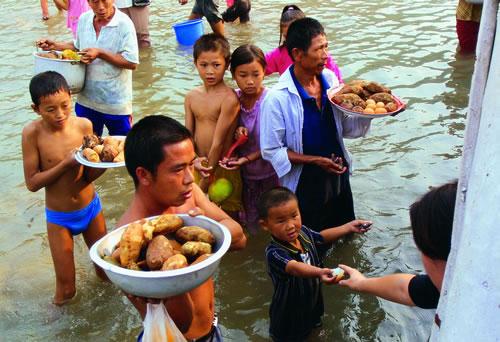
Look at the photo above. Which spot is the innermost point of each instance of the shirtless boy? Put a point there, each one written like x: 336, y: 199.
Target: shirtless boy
x: 159, y: 154
x: 72, y: 205
x: 211, y: 114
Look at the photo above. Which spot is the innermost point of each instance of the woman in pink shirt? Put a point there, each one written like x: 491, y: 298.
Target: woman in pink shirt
x: 278, y: 60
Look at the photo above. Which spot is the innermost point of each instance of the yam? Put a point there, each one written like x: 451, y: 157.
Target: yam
x: 90, y: 155
x: 159, y: 250
x: 131, y: 243
x: 167, y: 223
x: 382, y: 97
x: 194, y: 249
x: 194, y: 233
x: 175, y: 262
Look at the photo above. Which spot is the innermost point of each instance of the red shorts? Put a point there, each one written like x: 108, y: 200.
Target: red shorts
x: 467, y: 32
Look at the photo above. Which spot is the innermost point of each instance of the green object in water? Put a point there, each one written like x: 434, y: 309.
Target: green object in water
x: 220, y: 190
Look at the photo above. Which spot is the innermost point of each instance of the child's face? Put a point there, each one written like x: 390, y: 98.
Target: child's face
x: 211, y: 66
x: 249, y: 77
x: 54, y: 109
x: 283, y: 221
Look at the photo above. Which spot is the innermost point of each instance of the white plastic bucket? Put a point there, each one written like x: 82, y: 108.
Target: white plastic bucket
x: 72, y: 71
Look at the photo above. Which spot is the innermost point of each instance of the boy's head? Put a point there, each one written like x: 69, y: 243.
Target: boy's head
x: 431, y: 220
x: 279, y: 213
x: 51, y: 98
x: 211, y: 56
x: 45, y: 84
x: 159, y: 154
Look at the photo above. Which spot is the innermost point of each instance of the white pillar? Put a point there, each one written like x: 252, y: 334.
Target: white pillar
x: 469, y: 308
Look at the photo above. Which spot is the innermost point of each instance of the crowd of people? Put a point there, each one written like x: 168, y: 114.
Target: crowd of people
x: 290, y: 178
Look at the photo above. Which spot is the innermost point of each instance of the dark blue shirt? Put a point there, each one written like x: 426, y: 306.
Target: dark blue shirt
x: 297, y: 303
x: 319, y: 132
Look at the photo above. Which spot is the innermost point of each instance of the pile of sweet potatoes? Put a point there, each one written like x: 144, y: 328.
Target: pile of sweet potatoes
x: 161, y: 244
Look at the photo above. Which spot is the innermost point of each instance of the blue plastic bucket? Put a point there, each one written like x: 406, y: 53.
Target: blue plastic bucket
x: 189, y: 31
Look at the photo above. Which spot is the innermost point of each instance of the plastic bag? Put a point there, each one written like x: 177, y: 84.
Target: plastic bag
x: 159, y: 327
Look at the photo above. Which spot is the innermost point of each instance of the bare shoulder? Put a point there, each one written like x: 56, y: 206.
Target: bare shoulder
x: 31, y: 129
x: 230, y: 97
x: 84, y: 124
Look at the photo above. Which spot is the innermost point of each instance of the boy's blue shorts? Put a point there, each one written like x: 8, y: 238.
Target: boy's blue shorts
x: 76, y: 221
x: 115, y: 123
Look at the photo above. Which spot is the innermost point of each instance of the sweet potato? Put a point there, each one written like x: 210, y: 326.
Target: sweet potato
x: 176, y: 246
x: 91, y: 155
x: 167, y: 223
x: 194, y: 233
x: 175, y: 262
x: 382, y: 97
x: 109, y: 152
x: 159, y: 250
x: 120, y: 157
x: 131, y: 243
x: 194, y: 249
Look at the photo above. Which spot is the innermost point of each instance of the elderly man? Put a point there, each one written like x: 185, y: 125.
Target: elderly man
x: 159, y: 154
x: 302, y: 134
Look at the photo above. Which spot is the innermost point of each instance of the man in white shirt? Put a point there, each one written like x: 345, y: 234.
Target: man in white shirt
x: 107, y: 43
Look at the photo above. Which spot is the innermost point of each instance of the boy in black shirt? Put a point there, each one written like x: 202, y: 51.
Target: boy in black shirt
x: 294, y: 265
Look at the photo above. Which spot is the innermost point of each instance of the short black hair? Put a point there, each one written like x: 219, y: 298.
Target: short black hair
x: 212, y: 42
x: 432, y: 221
x: 47, y: 83
x: 301, y: 33
x: 245, y: 54
x: 145, y: 141
x: 273, y: 198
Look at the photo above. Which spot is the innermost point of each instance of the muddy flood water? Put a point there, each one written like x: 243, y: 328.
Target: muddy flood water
x: 409, y: 45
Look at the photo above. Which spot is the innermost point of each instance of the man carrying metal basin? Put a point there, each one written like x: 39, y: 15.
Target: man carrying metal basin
x: 159, y: 155
x: 107, y: 43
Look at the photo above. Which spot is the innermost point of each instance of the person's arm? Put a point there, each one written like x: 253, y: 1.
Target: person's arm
x: 303, y: 270
x: 90, y: 54
x: 48, y: 44
x: 61, y: 4
x: 335, y: 233
x: 238, y: 238
x: 189, y: 121
x: 227, y: 118
x: 34, y: 178
x: 326, y: 164
x: 273, y: 144
x: 393, y: 287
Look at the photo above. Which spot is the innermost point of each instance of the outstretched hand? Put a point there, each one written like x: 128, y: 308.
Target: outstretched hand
x: 355, y: 278
x: 330, y: 165
x: 204, y: 171
x: 233, y: 163
x: 359, y: 226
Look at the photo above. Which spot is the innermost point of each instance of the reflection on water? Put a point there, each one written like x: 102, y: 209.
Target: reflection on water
x: 408, y: 45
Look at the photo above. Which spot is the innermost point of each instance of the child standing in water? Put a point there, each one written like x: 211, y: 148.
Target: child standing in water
x: 247, y: 67
x: 72, y: 205
x: 75, y: 8
x: 294, y: 265
x: 278, y: 60
x: 211, y: 113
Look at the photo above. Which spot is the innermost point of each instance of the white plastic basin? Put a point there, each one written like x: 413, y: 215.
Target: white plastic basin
x: 72, y: 71
x: 162, y: 284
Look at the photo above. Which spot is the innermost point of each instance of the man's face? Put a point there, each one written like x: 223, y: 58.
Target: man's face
x: 103, y: 9
x: 173, y: 183
x: 314, y: 59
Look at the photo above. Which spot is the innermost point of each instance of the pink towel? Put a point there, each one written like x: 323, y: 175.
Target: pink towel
x: 75, y: 9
